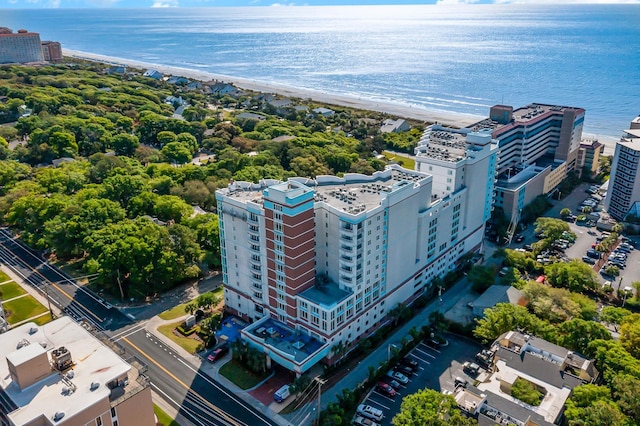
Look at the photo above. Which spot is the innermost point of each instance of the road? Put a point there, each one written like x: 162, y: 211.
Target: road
x: 196, y: 397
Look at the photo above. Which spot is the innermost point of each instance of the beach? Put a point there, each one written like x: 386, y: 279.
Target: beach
x: 397, y: 109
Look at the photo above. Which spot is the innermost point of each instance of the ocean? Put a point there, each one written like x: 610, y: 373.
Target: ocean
x: 459, y: 59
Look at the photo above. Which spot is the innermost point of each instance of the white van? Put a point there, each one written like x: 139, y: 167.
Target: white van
x: 282, y: 394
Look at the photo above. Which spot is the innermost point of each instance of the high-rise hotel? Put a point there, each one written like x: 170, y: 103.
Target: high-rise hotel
x: 20, y: 47
x: 317, y: 264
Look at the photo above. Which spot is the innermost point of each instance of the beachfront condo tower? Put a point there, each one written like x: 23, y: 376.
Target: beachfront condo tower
x: 20, y: 47
x: 623, y: 194
x: 317, y: 264
x: 539, y: 146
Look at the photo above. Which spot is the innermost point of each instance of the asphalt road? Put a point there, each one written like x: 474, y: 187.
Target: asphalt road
x: 199, y: 400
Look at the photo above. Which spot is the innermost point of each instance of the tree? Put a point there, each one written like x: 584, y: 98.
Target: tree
x: 505, y: 317
x: 612, y: 271
x: 482, y: 277
x: 626, y: 389
x: 125, y: 144
x: 592, y: 405
x: 190, y: 308
x: 613, y: 315
x: 577, y: 333
x: 565, y: 212
x: 176, y: 152
x: 552, y: 228
x: 430, y: 407
x: 575, y: 275
x: 630, y: 334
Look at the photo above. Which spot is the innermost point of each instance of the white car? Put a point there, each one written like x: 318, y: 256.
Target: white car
x: 363, y: 421
x: 396, y: 375
x: 370, y: 412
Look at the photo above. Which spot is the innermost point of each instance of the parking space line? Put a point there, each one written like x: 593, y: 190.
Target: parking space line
x: 425, y: 353
x: 422, y: 360
x: 385, y: 396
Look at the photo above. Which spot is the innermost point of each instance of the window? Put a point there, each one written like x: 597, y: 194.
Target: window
x: 113, y: 411
x: 99, y: 421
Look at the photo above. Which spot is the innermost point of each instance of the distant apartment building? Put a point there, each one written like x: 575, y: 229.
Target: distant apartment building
x: 539, y: 145
x: 589, y: 156
x: 552, y: 370
x: 52, y: 51
x: 60, y: 374
x: 20, y: 47
x: 317, y: 264
x: 623, y: 193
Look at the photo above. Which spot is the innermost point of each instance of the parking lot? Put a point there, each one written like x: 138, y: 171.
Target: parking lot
x: 437, y: 370
x: 585, y: 238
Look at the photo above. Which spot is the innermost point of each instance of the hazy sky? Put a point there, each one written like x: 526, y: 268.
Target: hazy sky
x: 25, y: 4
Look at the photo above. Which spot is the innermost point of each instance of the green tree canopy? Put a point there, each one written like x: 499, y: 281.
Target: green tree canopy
x: 430, y: 407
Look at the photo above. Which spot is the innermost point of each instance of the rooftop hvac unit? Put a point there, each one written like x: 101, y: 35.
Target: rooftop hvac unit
x: 58, y: 416
x: 61, y: 358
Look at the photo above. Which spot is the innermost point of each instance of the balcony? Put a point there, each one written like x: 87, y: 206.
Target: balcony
x: 346, y: 237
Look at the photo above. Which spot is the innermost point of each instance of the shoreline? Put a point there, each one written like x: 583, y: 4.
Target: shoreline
x: 398, y: 109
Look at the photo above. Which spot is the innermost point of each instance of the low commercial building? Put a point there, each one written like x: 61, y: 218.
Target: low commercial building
x: 551, y: 369
x: 317, y: 264
x: 497, y: 294
x: 60, y: 374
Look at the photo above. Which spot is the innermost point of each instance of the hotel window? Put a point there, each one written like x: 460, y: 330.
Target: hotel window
x: 99, y: 421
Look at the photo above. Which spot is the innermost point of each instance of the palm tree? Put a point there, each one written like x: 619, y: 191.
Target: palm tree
x: 190, y: 308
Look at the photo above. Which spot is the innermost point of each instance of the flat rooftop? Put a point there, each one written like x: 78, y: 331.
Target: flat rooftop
x: 328, y: 294
x: 443, y: 144
x: 70, y: 391
x: 353, y: 193
x: 285, y: 339
x: 523, y: 115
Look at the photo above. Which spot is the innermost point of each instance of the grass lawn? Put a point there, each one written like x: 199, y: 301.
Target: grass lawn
x: 407, y: 163
x: 187, y: 343
x: 22, y: 308
x: 43, y: 319
x: 163, y: 418
x: 178, y: 310
x: 10, y: 290
x: 239, y: 375
x: 3, y: 277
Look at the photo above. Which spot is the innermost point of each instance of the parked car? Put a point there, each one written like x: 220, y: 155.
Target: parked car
x: 519, y: 238
x: 218, y: 353
x: 461, y: 382
x: 404, y: 369
x: 396, y: 375
x: 386, y: 389
x: 589, y: 260
x: 281, y: 394
x: 410, y: 363
x: 593, y: 253
x: 363, y: 421
x: 393, y: 383
x: 370, y: 412
x: 471, y: 368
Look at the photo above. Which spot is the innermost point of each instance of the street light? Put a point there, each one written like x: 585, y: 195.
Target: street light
x: 389, y: 351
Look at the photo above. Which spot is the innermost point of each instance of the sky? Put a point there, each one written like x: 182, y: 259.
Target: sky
x: 30, y: 4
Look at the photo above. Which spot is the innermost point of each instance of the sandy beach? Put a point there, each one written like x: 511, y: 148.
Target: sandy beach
x: 398, y: 109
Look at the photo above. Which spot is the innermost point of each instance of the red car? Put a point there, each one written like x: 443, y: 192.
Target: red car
x: 218, y: 353
x: 386, y: 389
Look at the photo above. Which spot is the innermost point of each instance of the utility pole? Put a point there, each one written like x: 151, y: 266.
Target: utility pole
x: 320, y: 383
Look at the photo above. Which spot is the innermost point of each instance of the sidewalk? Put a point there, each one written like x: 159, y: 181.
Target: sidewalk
x: 210, y: 369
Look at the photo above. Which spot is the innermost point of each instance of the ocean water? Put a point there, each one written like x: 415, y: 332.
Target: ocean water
x: 453, y: 58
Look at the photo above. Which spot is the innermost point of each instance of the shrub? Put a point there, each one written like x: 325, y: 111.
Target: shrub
x: 526, y: 392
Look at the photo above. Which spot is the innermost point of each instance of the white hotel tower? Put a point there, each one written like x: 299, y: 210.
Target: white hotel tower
x: 318, y: 262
